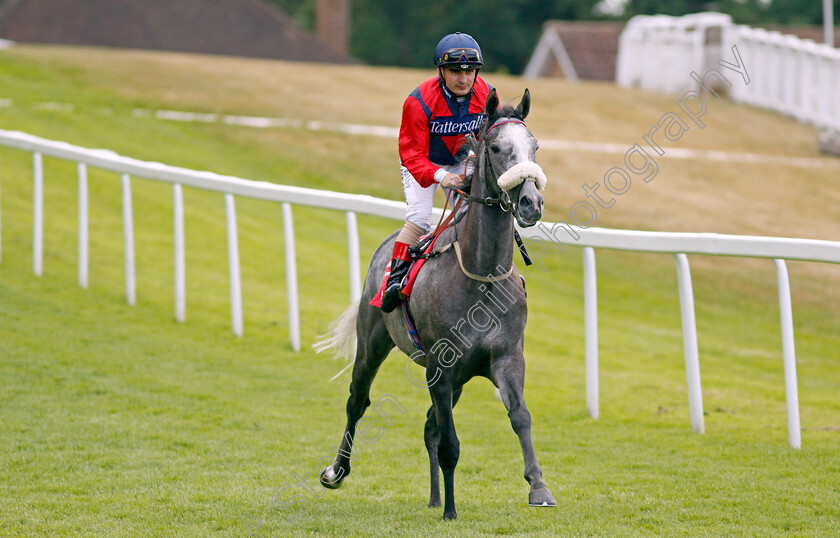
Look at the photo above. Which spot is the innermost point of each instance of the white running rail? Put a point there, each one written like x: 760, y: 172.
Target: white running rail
x: 678, y: 244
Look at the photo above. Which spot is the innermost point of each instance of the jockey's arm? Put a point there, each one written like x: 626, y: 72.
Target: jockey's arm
x: 414, y: 143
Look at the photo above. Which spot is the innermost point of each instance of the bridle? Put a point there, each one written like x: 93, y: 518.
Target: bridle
x: 503, y: 201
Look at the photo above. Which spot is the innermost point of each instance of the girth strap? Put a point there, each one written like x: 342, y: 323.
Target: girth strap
x: 412, y: 328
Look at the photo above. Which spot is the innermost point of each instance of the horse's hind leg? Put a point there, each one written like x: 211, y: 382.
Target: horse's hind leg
x: 372, y: 347
x: 432, y: 438
x: 511, y: 382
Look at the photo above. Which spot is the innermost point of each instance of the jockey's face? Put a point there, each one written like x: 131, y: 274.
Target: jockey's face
x: 459, y: 81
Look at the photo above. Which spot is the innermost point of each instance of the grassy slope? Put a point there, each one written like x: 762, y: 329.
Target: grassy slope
x: 117, y: 420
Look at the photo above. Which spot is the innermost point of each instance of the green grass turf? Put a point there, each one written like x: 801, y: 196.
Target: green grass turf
x: 117, y: 420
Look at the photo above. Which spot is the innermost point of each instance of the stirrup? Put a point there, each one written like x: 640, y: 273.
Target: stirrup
x: 392, y: 298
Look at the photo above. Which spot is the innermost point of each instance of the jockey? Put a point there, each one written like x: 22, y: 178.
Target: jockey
x: 436, y: 117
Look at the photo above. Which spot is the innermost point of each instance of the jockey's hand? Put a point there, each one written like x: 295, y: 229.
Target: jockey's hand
x: 451, y: 181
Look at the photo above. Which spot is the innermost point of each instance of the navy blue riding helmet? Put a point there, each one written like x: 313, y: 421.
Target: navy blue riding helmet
x: 459, y: 51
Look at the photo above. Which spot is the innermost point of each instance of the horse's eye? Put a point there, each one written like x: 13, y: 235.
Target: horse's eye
x: 494, y: 148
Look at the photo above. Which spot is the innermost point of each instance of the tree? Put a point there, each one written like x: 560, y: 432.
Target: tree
x: 742, y: 11
x: 798, y: 12
x: 392, y: 32
x: 660, y: 7
x: 405, y: 32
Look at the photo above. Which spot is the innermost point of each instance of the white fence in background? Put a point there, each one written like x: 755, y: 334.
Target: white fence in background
x: 657, y: 52
x: 796, y: 77
x: 678, y: 244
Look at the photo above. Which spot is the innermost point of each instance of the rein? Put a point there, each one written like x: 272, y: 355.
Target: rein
x: 503, y: 201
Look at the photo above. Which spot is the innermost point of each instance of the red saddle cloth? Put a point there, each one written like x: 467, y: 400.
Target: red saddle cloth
x: 408, y: 284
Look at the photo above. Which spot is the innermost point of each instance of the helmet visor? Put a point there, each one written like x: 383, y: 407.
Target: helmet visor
x: 456, y: 56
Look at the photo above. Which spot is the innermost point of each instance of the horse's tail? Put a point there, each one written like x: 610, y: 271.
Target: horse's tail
x: 341, y: 336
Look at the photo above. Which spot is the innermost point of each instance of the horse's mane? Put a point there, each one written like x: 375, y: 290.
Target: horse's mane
x: 506, y: 111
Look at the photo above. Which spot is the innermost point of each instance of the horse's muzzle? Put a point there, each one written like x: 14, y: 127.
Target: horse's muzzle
x: 529, y: 207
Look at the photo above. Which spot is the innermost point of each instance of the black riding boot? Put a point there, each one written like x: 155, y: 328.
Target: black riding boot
x: 393, y: 295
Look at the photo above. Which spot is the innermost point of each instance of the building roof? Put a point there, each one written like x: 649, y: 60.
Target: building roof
x: 253, y: 28
x: 583, y: 50
x: 590, y: 50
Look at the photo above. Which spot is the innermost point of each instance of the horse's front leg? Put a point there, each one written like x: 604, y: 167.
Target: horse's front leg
x: 510, y: 379
x: 449, y: 447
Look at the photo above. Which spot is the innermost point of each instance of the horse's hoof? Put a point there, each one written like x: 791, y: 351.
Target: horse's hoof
x: 450, y: 515
x: 330, y: 480
x: 541, y: 497
x: 435, y: 503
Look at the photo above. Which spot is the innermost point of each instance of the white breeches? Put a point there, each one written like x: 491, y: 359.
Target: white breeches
x: 419, y: 199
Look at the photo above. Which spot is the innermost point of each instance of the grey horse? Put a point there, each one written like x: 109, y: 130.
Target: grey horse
x: 470, y: 305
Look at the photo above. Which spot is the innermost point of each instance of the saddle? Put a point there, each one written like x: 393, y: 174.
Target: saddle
x: 424, y: 250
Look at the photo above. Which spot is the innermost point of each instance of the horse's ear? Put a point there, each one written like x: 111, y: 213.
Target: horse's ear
x: 492, y: 103
x: 525, y: 105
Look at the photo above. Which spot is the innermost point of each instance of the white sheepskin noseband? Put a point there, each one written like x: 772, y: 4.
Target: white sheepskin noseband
x: 524, y: 171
